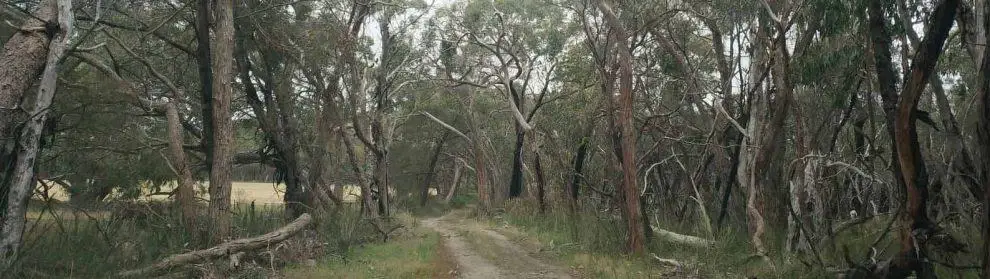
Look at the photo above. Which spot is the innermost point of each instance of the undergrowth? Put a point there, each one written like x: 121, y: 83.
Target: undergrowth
x: 592, y: 243
x: 66, y: 242
x: 414, y: 253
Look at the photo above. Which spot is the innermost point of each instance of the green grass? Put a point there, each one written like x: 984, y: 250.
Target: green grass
x: 589, y: 245
x: 592, y: 244
x: 413, y: 254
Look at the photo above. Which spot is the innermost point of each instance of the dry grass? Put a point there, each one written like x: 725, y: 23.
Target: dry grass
x: 258, y: 192
x: 241, y: 192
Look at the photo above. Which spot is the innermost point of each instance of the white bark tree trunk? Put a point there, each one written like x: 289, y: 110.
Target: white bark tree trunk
x: 22, y: 178
x: 453, y: 183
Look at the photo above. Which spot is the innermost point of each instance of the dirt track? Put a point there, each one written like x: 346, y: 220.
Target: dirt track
x: 483, y: 253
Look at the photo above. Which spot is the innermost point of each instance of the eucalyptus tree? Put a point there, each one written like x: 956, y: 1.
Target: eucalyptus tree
x: 37, y: 51
x: 515, y: 45
x: 269, y: 53
x: 385, y: 81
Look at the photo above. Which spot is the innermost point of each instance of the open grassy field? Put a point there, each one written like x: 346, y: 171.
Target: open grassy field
x: 242, y: 192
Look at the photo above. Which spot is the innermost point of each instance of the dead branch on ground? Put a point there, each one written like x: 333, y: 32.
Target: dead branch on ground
x: 225, y: 249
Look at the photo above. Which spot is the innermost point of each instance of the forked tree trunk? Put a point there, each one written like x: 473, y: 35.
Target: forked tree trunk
x: 367, y: 208
x: 959, y: 154
x: 21, y: 176
x: 750, y: 147
x: 223, y: 74
x: 276, y: 119
x: 477, y: 146
x: 909, y: 154
x: 916, y: 225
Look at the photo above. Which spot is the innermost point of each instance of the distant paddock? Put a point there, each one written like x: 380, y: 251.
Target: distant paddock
x: 241, y: 192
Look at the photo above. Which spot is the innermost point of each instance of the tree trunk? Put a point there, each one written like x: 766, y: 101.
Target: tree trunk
x: 204, y: 60
x: 751, y: 145
x: 516, y: 180
x: 23, y: 59
x: 960, y: 158
x: 573, y: 190
x: 185, y: 188
x: 367, y: 208
x: 909, y: 154
x: 540, y: 183
x: 21, y: 179
x: 913, y: 174
x: 381, y: 183
x: 971, y: 22
x: 772, y: 148
x: 425, y: 189
x: 481, y: 172
x: 223, y: 58
x: 886, y: 80
x: 454, y: 182
x: 630, y: 193
x: 983, y: 136
x: 477, y: 146
x: 276, y: 119
x: 297, y: 187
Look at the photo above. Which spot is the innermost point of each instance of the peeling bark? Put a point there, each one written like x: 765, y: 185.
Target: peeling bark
x: 23, y: 59
x: 21, y: 179
x: 630, y: 192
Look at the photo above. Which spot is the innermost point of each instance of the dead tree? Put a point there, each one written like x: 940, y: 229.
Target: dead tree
x: 225, y: 249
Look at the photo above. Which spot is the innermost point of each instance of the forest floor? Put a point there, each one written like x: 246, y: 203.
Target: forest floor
x: 480, y: 252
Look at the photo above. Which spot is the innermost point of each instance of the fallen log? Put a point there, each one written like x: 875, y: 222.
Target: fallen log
x: 225, y: 249
x: 681, y: 238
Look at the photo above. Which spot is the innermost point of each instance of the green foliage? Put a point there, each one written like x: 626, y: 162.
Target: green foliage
x: 461, y: 201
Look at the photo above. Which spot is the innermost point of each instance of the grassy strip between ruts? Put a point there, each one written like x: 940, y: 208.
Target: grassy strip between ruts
x: 417, y: 253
